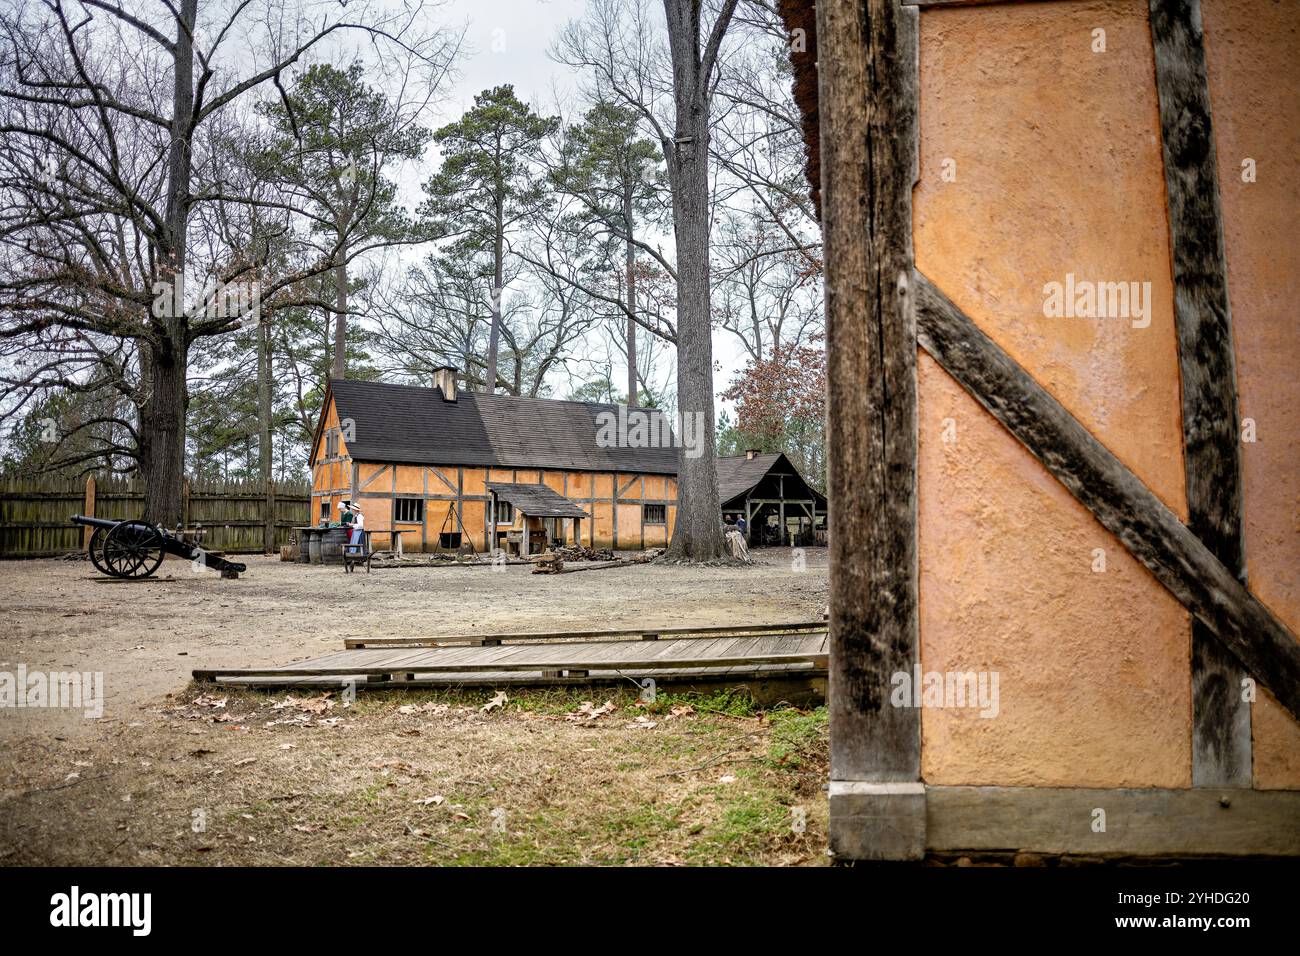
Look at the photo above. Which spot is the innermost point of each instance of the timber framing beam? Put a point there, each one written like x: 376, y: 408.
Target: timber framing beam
x: 1116, y: 497
x: 1148, y: 822
x: 868, y: 75
x: 1221, y: 745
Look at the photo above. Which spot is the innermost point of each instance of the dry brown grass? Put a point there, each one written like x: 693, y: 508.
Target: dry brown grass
x: 424, y: 779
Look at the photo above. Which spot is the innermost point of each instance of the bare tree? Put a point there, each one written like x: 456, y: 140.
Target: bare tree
x: 105, y: 103
x: 671, y: 86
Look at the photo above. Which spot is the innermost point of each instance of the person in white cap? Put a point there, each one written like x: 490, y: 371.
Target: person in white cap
x: 358, y: 537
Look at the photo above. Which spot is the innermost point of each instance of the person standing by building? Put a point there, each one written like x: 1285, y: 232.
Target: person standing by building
x: 357, y: 539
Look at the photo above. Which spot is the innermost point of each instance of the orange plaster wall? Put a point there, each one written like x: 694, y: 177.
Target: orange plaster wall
x: 1252, y: 59
x: 367, y: 472
x: 1058, y: 170
x: 629, y: 526
x: 409, y: 481
x: 472, y: 517
x: 475, y: 481
x: 1094, y: 668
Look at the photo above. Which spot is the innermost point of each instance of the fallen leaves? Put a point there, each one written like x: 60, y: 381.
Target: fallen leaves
x: 498, y: 700
x: 588, y: 711
x: 310, y: 705
x: 304, y: 711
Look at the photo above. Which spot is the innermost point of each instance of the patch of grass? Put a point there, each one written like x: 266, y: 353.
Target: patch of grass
x: 798, y: 738
x: 728, y: 702
x: 750, y: 823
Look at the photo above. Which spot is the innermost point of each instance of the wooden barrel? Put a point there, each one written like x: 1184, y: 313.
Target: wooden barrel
x: 313, y: 547
x: 331, y: 545
x: 304, y: 546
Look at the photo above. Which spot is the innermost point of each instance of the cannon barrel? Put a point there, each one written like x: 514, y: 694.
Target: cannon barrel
x: 95, y: 522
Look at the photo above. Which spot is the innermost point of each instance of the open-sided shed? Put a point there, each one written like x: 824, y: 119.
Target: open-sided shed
x: 537, y: 507
x: 779, y: 506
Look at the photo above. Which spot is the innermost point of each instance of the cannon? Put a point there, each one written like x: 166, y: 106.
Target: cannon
x: 135, y: 549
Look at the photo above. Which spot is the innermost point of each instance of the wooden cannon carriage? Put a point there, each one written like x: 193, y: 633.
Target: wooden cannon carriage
x: 134, y: 549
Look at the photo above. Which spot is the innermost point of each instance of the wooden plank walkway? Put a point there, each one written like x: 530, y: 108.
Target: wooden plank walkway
x: 554, y: 659
x: 644, y: 633
x: 756, y: 673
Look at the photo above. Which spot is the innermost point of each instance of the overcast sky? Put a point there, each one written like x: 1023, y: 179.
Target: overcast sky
x: 507, y: 42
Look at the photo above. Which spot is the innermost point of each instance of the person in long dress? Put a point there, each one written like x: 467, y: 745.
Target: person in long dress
x: 358, y: 537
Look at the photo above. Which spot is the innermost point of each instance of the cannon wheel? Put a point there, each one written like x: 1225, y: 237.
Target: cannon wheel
x: 96, y: 550
x: 133, y: 549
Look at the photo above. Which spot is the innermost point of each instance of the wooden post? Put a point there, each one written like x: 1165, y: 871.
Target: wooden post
x: 1221, y: 744
x: 88, y: 509
x: 867, y: 66
x: 185, y: 503
x: 268, y: 519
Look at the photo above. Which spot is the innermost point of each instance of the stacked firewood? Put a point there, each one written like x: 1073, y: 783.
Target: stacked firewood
x: 548, y: 562
x: 580, y: 553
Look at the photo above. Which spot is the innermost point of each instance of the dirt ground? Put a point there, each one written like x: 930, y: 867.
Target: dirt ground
x: 175, y: 773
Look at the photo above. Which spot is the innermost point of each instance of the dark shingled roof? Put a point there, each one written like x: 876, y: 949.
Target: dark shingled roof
x: 414, y: 425
x: 537, y: 501
x: 738, y: 475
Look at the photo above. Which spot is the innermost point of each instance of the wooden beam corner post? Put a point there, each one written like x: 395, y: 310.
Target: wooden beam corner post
x: 1221, y: 740
x: 868, y: 82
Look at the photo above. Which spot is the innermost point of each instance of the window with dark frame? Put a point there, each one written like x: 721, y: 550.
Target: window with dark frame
x: 654, y: 514
x: 408, y: 510
x: 505, y: 512
x: 324, y: 509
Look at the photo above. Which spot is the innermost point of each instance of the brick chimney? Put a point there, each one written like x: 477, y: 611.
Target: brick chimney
x: 444, y: 379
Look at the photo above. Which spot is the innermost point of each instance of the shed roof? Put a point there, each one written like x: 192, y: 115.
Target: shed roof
x: 537, y: 501
x: 738, y: 475
x: 414, y: 425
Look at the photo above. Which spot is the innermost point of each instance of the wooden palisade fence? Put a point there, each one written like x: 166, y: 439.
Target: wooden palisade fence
x: 34, y: 512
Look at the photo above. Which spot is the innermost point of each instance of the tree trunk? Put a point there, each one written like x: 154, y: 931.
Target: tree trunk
x: 341, y: 315
x: 630, y: 256
x: 162, y: 430
x: 165, y: 356
x: 494, y: 336
x: 697, y: 535
x: 264, y: 424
